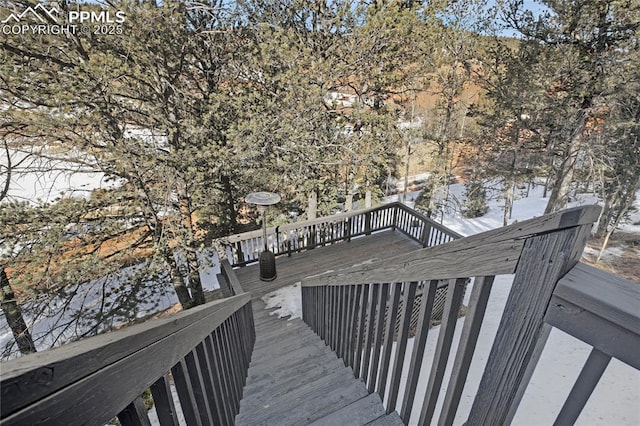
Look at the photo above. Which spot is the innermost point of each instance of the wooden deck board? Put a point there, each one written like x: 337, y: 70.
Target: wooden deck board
x: 329, y: 258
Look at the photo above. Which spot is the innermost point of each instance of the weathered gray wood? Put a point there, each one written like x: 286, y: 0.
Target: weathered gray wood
x: 389, y: 420
x: 163, y: 402
x: 331, y: 258
x: 489, y: 253
x: 582, y: 389
x: 80, y: 399
x: 422, y: 331
x: 439, y: 262
x: 230, y: 275
x: 44, y: 372
x: 197, y: 385
x: 544, y: 260
x: 215, y: 386
x: 298, y: 389
x: 353, y: 322
x: 607, y: 337
x: 185, y: 392
x: 135, y: 414
x: 455, y: 294
x: 608, y: 296
x: 408, y: 296
x: 377, y: 341
x: 360, y: 332
x: 224, y: 285
x: 360, y: 412
x: 466, y: 347
x: 387, y: 346
x: 368, y: 342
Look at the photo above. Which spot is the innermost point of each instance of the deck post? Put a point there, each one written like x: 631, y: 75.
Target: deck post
x: 426, y: 233
x: 239, y: 253
x: 367, y: 223
x: 522, y: 332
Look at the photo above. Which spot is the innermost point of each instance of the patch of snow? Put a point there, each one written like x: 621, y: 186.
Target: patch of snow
x: 287, y: 299
x: 613, y: 402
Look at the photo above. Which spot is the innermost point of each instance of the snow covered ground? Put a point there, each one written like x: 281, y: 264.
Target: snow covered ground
x: 616, y: 399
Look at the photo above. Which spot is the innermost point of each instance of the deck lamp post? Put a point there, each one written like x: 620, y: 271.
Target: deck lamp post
x: 267, y: 258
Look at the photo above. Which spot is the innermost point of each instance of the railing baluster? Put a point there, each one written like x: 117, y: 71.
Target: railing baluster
x: 455, y: 293
x: 408, y: 297
x: 163, y: 402
x: 422, y: 332
x: 135, y: 414
x: 353, y: 322
x: 587, y: 380
x: 185, y: 393
x: 214, y: 375
x: 377, y: 343
x: 213, y: 345
x: 371, y: 310
x: 392, y: 316
x: 226, y: 370
x: 197, y: 384
x: 362, y: 301
x: 468, y: 339
x: 228, y: 340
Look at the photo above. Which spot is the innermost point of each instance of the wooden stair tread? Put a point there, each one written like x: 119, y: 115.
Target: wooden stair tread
x: 295, y: 379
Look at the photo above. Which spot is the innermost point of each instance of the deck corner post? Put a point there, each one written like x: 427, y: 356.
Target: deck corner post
x: 239, y: 253
x: 367, y: 223
x: 522, y: 332
x: 426, y: 233
x: 394, y: 220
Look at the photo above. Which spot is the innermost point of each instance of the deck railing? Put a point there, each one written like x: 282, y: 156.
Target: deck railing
x: 295, y: 237
x: 206, y: 349
x: 348, y: 310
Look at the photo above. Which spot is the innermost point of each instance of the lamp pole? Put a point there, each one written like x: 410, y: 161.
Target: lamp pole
x: 267, y: 259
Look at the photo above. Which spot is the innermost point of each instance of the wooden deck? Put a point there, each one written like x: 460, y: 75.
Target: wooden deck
x: 329, y: 258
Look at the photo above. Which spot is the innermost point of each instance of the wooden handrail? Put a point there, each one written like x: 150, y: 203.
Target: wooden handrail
x: 304, y: 223
x: 305, y: 235
x: 92, y: 380
x: 358, y: 310
x: 230, y: 276
x: 489, y: 253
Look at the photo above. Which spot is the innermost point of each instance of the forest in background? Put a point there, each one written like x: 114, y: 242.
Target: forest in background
x: 192, y: 105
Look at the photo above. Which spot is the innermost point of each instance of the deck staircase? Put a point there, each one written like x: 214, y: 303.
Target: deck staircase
x: 230, y: 361
x: 295, y: 379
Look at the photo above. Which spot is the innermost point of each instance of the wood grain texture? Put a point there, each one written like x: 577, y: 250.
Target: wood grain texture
x: 606, y: 295
x: 361, y: 250
x: 82, y: 376
x: 604, y: 335
x: 516, y: 349
x: 489, y: 253
x: 231, y: 277
x: 439, y: 262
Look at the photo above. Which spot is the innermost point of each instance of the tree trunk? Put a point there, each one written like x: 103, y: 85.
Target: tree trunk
x: 625, y: 203
x: 191, y: 252
x: 564, y: 176
x: 231, y: 207
x: 177, y: 281
x: 348, y: 203
x: 313, y: 205
x: 562, y: 185
x: 13, y: 314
